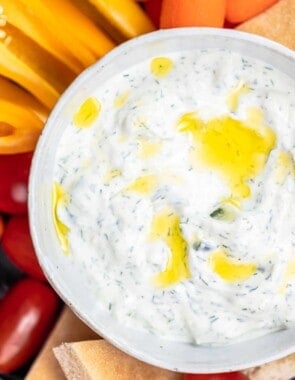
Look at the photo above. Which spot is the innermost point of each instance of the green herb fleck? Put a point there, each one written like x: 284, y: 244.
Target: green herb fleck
x: 225, y: 213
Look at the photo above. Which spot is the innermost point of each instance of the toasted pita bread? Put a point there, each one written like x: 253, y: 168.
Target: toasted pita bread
x: 67, y: 329
x: 99, y: 360
x: 283, y: 369
x: 277, y: 23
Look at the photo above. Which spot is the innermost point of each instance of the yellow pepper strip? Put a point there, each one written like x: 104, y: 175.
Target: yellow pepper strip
x: 14, y: 68
x: 166, y: 226
x: 79, y: 26
x: 19, y: 128
x: 74, y: 30
x: 23, y: 61
x: 20, y: 16
x: 16, y: 95
x: 59, y: 198
x: 125, y: 17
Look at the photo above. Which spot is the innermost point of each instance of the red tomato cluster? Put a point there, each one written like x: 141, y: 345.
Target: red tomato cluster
x: 14, y: 171
x: 28, y: 307
x: 26, y: 316
x: 18, y: 246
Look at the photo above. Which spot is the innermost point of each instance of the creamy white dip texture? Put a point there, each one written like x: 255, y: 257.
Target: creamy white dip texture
x: 174, y: 186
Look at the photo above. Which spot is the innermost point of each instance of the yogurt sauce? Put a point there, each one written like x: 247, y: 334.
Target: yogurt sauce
x: 174, y: 186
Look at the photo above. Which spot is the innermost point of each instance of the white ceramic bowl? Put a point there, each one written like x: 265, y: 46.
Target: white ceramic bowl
x: 68, y: 278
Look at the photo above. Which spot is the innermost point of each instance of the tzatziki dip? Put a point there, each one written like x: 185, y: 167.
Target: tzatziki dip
x: 174, y: 187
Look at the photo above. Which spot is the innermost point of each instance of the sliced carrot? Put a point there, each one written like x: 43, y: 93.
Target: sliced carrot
x: 177, y: 13
x: 241, y: 10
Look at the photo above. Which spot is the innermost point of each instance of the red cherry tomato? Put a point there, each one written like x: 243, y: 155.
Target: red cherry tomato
x: 217, y: 376
x: 9, y: 274
x: 18, y: 246
x: 153, y: 9
x: 14, y: 173
x: 26, y: 316
x: 1, y: 226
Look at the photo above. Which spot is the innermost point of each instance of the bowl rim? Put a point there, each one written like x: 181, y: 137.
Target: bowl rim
x: 33, y: 193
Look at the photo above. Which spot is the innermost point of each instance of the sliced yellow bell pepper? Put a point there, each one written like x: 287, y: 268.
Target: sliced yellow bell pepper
x: 72, y: 28
x: 26, y: 63
x: 19, y: 15
x: 12, y: 93
x: 125, y: 17
x: 19, y: 128
x: 79, y: 26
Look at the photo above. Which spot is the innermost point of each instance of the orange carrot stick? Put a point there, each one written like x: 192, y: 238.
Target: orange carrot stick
x: 176, y: 13
x: 241, y: 10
